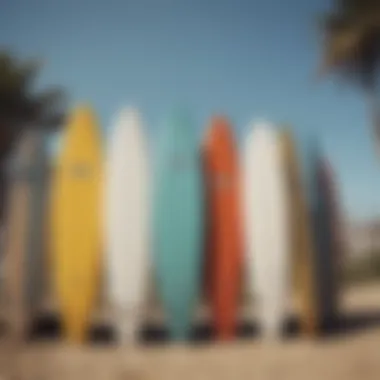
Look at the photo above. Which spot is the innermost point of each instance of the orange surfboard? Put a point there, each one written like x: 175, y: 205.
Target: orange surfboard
x: 223, y: 259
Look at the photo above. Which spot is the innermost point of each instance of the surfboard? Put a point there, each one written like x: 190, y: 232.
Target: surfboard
x: 222, y: 179
x: 327, y: 239
x: 308, y: 158
x: 178, y: 223
x: 25, y: 257
x: 267, y: 229
x: 337, y: 222
x: 301, y: 246
x: 126, y: 223
x: 75, y: 222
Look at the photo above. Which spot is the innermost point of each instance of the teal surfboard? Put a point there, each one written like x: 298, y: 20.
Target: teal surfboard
x: 178, y: 223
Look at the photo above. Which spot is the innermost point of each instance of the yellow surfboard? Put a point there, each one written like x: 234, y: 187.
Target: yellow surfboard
x: 302, y: 246
x: 75, y: 222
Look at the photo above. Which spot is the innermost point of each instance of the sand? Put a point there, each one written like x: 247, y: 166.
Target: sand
x: 352, y: 355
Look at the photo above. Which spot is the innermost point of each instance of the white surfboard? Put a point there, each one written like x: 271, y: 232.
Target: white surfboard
x: 126, y: 224
x: 266, y: 227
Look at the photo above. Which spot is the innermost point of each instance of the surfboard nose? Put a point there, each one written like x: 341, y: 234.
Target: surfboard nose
x: 181, y: 122
x: 128, y: 126
x: 82, y: 114
x: 219, y: 129
x: 180, y: 329
x: 129, y: 115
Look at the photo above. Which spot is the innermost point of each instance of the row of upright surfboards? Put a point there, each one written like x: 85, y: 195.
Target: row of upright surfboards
x: 197, y: 216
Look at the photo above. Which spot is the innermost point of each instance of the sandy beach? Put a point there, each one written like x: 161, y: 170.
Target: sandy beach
x: 351, y: 354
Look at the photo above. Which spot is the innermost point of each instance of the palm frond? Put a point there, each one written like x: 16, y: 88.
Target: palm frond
x: 352, y: 41
x: 20, y: 104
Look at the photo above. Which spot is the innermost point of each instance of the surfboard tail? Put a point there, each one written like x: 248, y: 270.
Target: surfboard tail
x: 179, y: 321
x: 224, y: 310
x: 226, y: 330
x: 272, y: 326
x: 75, y: 331
x: 180, y: 330
x: 127, y: 326
x: 127, y: 331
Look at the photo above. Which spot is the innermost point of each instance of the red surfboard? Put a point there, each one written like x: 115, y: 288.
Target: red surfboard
x: 223, y: 257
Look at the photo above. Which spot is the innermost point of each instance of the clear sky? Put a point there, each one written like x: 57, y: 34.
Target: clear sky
x: 248, y: 59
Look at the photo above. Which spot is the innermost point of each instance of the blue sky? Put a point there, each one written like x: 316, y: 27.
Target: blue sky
x: 248, y: 59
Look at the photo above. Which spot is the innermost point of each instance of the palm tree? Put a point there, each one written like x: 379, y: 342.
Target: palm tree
x: 351, y: 48
x: 22, y: 107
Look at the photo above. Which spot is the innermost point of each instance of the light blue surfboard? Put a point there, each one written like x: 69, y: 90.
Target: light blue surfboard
x: 178, y: 223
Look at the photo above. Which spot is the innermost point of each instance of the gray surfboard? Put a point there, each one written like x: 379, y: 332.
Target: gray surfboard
x: 27, y: 174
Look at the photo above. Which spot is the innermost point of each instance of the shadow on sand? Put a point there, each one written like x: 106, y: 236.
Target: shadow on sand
x: 49, y: 328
